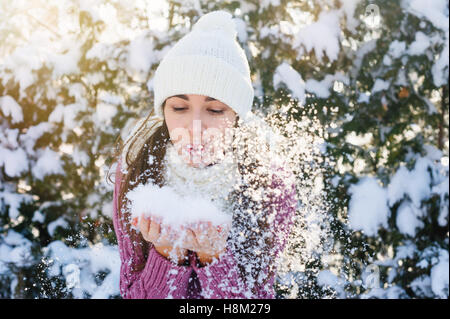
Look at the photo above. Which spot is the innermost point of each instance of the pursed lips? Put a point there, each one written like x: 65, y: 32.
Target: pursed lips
x: 195, y: 150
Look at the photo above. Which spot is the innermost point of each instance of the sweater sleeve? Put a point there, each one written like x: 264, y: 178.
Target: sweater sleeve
x: 284, y: 205
x: 160, y: 278
x: 222, y: 279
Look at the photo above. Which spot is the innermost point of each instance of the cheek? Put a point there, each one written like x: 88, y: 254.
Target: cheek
x: 231, y: 119
x: 175, y: 127
x: 226, y: 122
x: 222, y: 122
x: 218, y: 128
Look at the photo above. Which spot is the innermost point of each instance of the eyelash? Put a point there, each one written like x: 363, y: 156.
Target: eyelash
x: 179, y: 109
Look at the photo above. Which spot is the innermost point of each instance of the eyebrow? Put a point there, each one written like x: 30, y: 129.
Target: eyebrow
x: 185, y: 97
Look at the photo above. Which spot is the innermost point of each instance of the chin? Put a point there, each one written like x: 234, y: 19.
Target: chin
x: 200, y: 165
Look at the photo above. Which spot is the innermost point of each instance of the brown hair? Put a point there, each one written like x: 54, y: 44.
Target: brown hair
x: 249, y: 217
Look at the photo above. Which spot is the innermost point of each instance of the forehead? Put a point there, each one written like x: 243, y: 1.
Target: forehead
x: 188, y: 97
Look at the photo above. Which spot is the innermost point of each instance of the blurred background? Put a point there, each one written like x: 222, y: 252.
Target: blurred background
x: 76, y: 74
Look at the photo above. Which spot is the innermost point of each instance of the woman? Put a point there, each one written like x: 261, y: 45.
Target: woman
x: 202, y: 92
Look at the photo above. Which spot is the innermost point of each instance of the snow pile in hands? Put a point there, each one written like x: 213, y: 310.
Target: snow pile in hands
x: 165, y: 203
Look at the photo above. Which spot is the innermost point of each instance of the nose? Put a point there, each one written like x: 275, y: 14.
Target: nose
x: 196, y: 126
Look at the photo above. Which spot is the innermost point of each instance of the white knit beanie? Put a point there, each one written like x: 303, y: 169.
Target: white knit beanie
x: 207, y: 61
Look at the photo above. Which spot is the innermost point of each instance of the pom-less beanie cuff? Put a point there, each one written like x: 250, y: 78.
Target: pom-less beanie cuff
x: 203, y: 75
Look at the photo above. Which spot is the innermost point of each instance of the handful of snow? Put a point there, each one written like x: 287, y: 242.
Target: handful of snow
x: 173, y: 209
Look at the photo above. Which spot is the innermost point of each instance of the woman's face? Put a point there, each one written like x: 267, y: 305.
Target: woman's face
x: 199, y: 127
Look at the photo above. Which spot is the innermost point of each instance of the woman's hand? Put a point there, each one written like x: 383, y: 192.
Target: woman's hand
x: 209, y: 241
x: 162, y: 238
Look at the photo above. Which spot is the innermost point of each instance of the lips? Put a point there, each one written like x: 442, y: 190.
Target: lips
x: 197, y: 153
x: 194, y: 148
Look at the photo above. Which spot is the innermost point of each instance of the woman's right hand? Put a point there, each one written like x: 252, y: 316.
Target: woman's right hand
x: 163, y: 239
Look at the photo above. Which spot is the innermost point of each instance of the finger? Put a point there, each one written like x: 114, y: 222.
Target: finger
x: 149, y: 223
x: 167, y: 234
x: 214, y: 237
x: 218, y: 238
x: 207, y: 238
x: 154, y: 230
x: 184, y: 238
x: 143, y: 224
x: 212, y: 232
x: 200, y: 232
x: 191, y: 241
x: 166, y: 231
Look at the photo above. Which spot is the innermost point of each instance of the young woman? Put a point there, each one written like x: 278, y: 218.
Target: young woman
x: 201, y: 86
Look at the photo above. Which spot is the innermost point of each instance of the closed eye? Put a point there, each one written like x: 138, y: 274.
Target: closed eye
x: 216, y: 111
x: 179, y: 109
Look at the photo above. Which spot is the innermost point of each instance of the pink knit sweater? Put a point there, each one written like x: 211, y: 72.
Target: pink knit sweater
x: 162, y: 278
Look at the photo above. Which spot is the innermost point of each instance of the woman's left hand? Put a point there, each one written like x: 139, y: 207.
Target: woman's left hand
x: 209, y: 241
